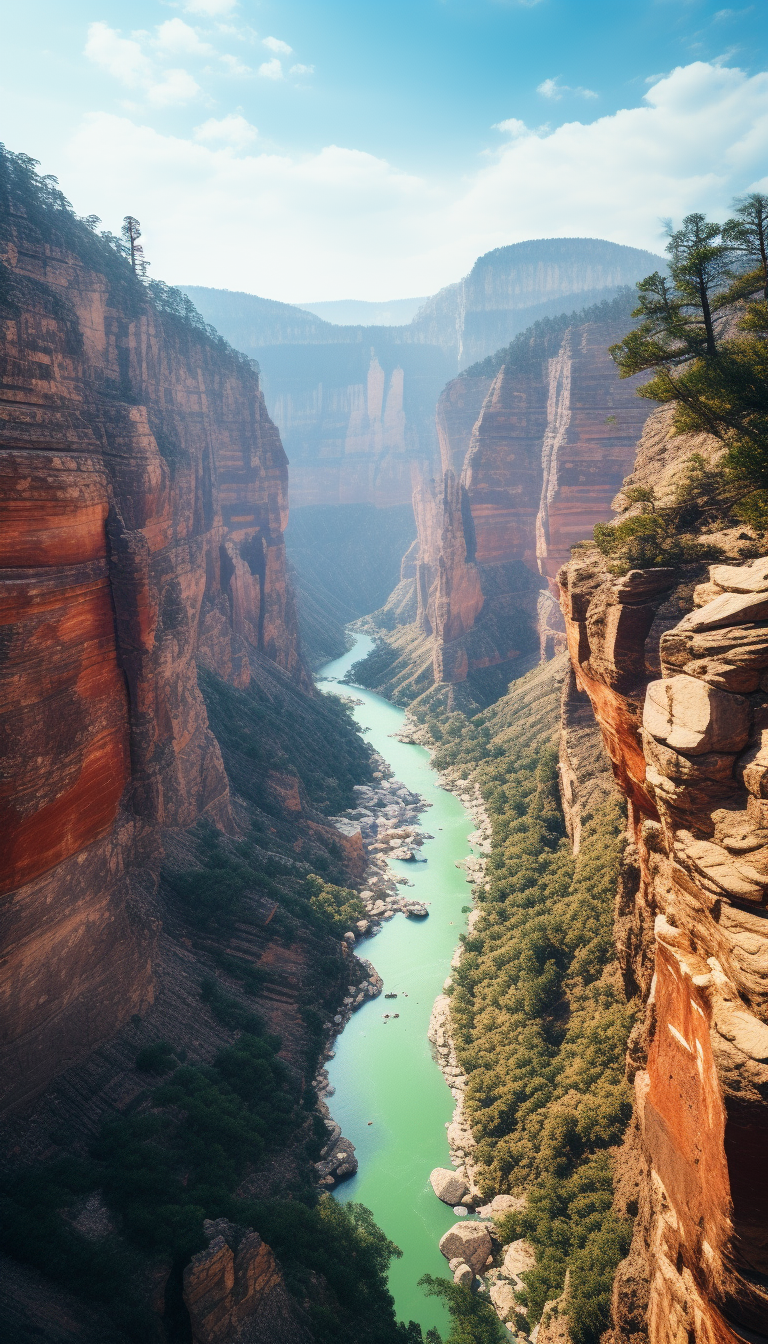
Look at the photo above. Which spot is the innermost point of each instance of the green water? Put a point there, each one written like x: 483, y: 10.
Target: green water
x: 384, y: 1072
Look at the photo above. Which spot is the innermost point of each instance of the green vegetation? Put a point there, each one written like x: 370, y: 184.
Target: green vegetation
x: 337, y: 907
x: 703, y: 334
x: 274, y: 727
x: 539, y: 1015
x: 178, y: 1157
x: 540, y: 340
x: 473, y: 1321
x: 665, y: 535
x: 39, y: 201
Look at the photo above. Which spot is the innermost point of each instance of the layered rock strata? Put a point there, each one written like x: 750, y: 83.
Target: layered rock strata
x: 674, y: 663
x: 143, y: 498
x: 531, y: 458
x: 234, y: 1290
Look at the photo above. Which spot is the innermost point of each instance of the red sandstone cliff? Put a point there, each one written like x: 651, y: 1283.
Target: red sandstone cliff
x: 143, y: 497
x: 531, y: 456
x: 676, y: 665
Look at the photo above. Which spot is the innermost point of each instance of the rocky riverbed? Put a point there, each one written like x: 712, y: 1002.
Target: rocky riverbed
x: 386, y: 819
x: 476, y: 1256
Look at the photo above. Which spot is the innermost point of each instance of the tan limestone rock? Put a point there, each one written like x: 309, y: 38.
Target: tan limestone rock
x: 519, y: 1256
x: 694, y: 718
x: 502, y: 1295
x: 729, y: 609
x: 448, y: 1185
x: 470, y: 1241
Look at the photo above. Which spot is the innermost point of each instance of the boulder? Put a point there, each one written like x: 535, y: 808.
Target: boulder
x: 694, y: 718
x: 741, y: 578
x: 463, y: 1275
x: 728, y: 609
x: 502, y: 1295
x: 448, y: 1185
x: 518, y: 1257
x: 505, y: 1204
x: 470, y: 1241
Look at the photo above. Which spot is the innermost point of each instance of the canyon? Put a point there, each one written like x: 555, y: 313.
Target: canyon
x: 144, y: 498
x: 355, y: 405
x: 170, y: 775
x: 166, y: 782
x: 534, y: 445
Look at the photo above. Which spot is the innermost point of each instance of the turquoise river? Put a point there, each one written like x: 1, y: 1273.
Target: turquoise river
x: 391, y: 1099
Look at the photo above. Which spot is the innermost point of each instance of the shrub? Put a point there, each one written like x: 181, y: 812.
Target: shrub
x: 156, y: 1058
x: 539, y: 1015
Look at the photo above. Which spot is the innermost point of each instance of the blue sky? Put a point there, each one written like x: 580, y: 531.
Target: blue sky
x: 335, y: 149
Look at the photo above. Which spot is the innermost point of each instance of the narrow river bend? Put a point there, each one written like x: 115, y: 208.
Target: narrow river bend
x: 384, y: 1072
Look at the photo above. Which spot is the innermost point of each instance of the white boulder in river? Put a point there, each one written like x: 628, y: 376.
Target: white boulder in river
x: 448, y: 1185
x: 463, y: 1275
x: 470, y: 1242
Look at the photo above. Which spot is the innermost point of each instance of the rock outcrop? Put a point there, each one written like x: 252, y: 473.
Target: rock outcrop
x: 468, y: 1244
x: 234, y: 1290
x: 143, y: 500
x: 448, y: 1185
x: 531, y: 458
x: 674, y: 662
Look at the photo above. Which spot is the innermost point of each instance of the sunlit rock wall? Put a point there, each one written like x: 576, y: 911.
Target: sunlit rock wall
x: 675, y: 663
x: 143, y: 497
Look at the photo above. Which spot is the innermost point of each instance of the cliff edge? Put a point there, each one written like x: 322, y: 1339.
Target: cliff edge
x: 143, y: 498
x: 674, y: 662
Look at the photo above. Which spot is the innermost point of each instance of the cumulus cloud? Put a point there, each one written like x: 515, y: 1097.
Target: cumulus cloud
x: 512, y: 126
x: 274, y: 44
x: 273, y: 223
x: 124, y: 59
x: 177, y: 38
x: 232, y: 130
x: 552, y: 88
x: 173, y: 89
x: 235, y: 66
x: 271, y: 69
x: 302, y: 69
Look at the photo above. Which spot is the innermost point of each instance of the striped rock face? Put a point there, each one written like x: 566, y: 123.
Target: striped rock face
x: 143, y: 498
x: 680, y: 690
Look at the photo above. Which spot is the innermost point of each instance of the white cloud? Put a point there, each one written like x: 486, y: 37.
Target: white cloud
x: 232, y: 130
x: 551, y: 88
x: 177, y: 38
x: 512, y: 126
x: 302, y: 70
x: 210, y: 7
x: 173, y: 89
x: 274, y: 44
x: 274, y: 223
x: 235, y: 66
x: 124, y: 60
x: 271, y: 69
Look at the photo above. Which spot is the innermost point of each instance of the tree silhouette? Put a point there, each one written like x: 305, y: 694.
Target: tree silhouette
x: 131, y: 233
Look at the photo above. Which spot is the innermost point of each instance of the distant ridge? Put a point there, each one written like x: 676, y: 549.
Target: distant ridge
x: 506, y: 291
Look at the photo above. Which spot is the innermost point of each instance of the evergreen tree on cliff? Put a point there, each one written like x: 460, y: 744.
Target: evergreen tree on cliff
x: 703, y: 333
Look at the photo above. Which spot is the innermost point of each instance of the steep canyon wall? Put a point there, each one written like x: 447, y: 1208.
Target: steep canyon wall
x: 532, y: 452
x: 674, y: 662
x: 143, y: 494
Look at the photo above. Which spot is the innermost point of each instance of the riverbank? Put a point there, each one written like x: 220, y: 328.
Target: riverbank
x: 389, y: 1098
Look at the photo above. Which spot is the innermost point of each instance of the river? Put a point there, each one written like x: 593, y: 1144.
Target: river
x: 384, y: 1072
